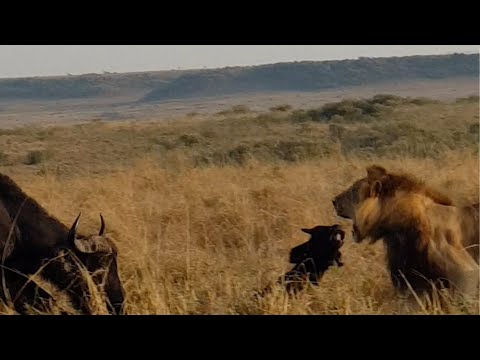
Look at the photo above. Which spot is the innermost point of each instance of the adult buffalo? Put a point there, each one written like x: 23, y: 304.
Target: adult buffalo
x: 32, y: 241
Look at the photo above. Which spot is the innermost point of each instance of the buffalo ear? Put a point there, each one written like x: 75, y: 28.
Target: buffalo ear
x: 72, y: 233
x: 375, y: 172
x: 376, y: 189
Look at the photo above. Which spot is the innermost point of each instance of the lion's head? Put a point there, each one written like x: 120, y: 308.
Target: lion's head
x: 346, y: 202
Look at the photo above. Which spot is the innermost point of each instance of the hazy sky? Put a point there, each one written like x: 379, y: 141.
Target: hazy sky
x: 35, y: 60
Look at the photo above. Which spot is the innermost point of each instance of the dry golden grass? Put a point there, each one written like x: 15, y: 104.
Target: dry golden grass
x: 201, y: 240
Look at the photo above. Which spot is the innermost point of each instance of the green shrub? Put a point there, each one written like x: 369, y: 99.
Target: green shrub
x: 281, y: 108
x: 235, y: 110
x: 189, y: 139
x: 4, y: 159
x: 35, y: 157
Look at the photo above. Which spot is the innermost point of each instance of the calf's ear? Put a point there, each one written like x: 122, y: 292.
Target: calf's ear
x: 307, y: 231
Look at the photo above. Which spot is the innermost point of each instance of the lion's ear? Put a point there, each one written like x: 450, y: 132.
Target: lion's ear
x: 376, y: 189
x: 375, y: 172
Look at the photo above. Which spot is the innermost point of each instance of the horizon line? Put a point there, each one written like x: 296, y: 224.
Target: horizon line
x: 104, y: 72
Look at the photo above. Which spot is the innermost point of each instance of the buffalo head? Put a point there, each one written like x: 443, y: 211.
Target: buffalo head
x: 98, y: 254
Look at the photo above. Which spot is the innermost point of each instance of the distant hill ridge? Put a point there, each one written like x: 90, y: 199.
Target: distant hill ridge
x: 291, y: 76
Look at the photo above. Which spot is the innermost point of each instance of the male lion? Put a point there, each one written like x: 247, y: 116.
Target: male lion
x: 426, y: 242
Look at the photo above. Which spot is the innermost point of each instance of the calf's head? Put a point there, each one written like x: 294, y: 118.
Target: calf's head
x: 311, y: 258
x: 322, y: 248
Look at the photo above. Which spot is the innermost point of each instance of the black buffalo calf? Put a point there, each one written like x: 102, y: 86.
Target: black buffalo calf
x: 313, y: 258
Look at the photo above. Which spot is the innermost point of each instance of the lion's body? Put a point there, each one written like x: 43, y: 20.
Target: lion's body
x: 425, y: 240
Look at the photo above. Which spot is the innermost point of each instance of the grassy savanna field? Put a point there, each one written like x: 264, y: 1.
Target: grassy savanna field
x: 205, y: 210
